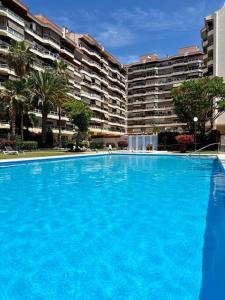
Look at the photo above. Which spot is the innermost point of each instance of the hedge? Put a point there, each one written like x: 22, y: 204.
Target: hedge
x: 27, y: 145
x: 95, y: 145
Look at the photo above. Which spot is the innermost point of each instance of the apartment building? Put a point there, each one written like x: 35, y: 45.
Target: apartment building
x: 94, y: 75
x: 213, y: 43
x: 150, y: 82
x: 102, y: 87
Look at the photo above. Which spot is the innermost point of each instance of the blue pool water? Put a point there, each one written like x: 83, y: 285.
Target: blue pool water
x: 113, y: 227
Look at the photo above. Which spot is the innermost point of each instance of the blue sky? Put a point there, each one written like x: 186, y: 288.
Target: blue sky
x: 129, y: 28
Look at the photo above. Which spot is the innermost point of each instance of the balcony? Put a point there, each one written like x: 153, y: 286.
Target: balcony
x: 4, y: 47
x: 205, y: 43
x: 4, y: 69
x: 116, y: 89
x: 91, y: 96
x: 67, y: 52
x: 55, y: 129
x: 211, y: 32
x: 4, y: 124
x: 91, y: 52
x: 210, y: 62
x: 11, y: 15
x: 44, y: 39
x: 13, y: 34
x: 42, y: 52
x: 210, y: 48
x: 92, y: 63
x: 114, y: 70
x: 52, y: 115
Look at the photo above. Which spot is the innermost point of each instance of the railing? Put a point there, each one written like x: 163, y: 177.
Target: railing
x: 205, y: 147
x: 3, y: 8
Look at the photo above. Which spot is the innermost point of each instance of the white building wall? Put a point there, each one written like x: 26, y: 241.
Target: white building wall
x: 219, y: 43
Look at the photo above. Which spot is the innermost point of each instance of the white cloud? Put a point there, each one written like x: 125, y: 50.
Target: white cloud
x: 115, y: 36
x: 132, y: 25
x: 128, y: 59
x: 154, y: 20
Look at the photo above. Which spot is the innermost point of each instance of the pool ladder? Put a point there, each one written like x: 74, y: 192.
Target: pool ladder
x: 199, y: 150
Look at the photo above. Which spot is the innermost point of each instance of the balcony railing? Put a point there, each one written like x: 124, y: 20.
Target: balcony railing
x: 12, y: 31
x: 11, y: 13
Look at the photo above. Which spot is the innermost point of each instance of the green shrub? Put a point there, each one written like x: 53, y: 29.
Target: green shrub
x: 85, y: 144
x: 95, y: 145
x: 27, y: 145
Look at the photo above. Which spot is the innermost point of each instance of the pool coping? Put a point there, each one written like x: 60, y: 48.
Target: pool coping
x: 46, y: 158
x: 221, y: 157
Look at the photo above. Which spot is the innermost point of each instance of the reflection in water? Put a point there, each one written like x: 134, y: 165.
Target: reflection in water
x: 213, y: 269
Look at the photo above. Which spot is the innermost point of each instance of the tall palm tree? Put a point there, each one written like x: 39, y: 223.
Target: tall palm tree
x: 20, y: 58
x: 59, y: 68
x: 46, y: 89
x: 14, y: 96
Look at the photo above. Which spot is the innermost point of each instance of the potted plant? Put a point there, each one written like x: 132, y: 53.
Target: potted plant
x: 149, y: 147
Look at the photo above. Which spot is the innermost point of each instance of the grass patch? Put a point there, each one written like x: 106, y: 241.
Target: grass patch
x: 41, y: 153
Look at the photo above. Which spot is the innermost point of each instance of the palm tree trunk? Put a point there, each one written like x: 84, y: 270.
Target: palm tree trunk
x: 44, y: 128
x: 13, y: 123
x: 78, y: 140
x: 60, y: 130
x: 21, y: 124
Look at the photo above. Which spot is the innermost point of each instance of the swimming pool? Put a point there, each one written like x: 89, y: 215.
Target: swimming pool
x: 113, y: 227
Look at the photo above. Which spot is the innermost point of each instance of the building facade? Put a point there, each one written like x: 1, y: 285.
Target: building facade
x: 95, y: 76
x: 213, y: 43
x: 150, y: 82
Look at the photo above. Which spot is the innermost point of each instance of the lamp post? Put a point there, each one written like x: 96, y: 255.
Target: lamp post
x: 195, y: 123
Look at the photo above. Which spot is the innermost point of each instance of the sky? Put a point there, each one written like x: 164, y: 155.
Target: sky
x: 129, y: 28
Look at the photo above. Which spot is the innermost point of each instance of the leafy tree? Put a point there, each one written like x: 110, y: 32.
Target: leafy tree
x: 14, y: 96
x: 46, y: 89
x: 197, y: 98
x: 80, y: 115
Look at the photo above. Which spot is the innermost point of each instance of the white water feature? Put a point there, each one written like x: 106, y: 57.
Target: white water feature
x: 140, y: 142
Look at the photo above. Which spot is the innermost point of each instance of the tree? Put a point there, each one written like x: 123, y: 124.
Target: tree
x: 46, y: 89
x: 59, y: 68
x: 14, y: 96
x: 20, y: 58
x: 197, y: 98
x: 80, y: 115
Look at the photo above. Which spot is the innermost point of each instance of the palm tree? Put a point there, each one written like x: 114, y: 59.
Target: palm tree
x: 20, y: 59
x: 59, y: 68
x: 14, y: 96
x: 46, y: 89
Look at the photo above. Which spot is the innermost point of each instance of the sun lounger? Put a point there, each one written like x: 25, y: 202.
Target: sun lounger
x: 9, y: 150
